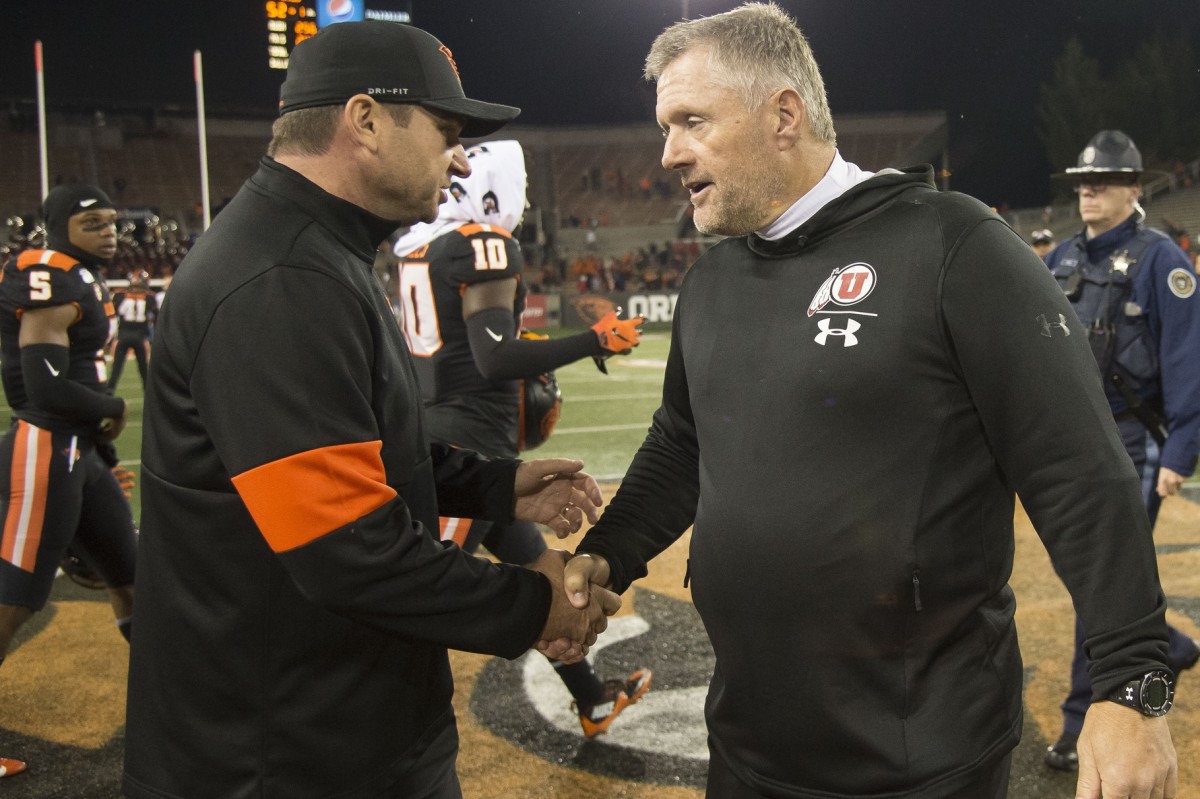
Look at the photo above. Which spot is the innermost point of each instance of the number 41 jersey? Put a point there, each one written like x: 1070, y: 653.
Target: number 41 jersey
x: 43, y: 279
x: 432, y: 282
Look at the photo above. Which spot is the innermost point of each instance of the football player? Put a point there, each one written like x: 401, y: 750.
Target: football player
x: 462, y: 297
x: 137, y: 308
x: 56, y: 487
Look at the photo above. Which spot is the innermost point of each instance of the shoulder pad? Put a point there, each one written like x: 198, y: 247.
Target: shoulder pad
x: 475, y: 229
x: 45, y: 278
x: 479, y: 253
x: 46, y: 258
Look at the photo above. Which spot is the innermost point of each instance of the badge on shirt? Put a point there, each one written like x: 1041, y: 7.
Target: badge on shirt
x: 1182, y: 283
x: 1121, y: 261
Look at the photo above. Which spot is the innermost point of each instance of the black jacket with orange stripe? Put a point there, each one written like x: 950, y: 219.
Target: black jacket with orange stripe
x: 847, y: 414
x: 294, y: 602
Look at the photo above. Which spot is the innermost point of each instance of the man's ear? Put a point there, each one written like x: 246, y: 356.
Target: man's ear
x: 791, y: 117
x: 360, y: 117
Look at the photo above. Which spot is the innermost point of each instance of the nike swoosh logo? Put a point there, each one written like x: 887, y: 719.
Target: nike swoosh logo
x: 53, y: 371
x: 86, y: 203
x: 495, y: 336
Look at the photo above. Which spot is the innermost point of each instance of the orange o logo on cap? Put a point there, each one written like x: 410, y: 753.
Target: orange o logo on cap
x: 444, y: 50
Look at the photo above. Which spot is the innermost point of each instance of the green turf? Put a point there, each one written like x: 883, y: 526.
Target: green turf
x: 603, y: 422
x: 129, y: 443
x: 605, y: 418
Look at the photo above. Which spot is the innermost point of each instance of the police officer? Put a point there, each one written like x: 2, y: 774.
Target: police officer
x: 1135, y: 293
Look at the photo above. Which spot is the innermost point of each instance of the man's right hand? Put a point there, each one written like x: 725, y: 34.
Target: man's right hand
x: 618, y: 335
x: 583, y: 575
x: 571, y: 629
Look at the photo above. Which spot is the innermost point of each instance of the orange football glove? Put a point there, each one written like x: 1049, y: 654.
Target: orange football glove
x: 619, y: 335
x: 125, y: 479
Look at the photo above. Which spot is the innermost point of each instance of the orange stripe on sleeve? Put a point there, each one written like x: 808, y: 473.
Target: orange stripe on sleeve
x: 28, y: 486
x: 454, y: 529
x: 297, y: 499
x: 45, y: 258
x: 472, y: 229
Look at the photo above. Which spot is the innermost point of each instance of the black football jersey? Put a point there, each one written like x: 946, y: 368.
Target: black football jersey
x: 432, y: 282
x: 137, y: 309
x: 44, y: 279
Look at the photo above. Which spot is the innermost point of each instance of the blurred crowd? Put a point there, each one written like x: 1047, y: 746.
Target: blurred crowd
x: 648, y: 268
x: 145, y: 243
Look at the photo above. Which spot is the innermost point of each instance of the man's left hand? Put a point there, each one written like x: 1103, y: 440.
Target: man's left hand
x: 1169, y: 482
x: 556, y: 493
x: 1125, y: 754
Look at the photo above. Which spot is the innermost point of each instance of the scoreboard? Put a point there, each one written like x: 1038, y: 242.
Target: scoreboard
x: 290, y: 22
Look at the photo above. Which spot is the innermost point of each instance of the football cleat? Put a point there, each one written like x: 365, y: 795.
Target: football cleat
x: 618, y: 695
x: 618, y: 335
x: 1062, y: 755
x: 9, y: 767
x: 1188, y: 661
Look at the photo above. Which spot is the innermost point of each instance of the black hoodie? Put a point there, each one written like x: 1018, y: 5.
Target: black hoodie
x: 846, y: 416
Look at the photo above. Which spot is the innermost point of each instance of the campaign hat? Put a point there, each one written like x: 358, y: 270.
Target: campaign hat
x: 1109, y: 152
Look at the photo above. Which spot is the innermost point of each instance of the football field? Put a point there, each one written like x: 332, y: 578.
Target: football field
x: 605, y: 417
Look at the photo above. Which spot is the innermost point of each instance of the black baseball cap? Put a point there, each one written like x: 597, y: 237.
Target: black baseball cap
x: 389, y: 61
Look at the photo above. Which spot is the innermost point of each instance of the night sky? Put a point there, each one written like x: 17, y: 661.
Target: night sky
x: 574, y: 62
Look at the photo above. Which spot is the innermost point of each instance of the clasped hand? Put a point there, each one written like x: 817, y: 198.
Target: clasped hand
x: 571, y: 629
x: 557, y: 492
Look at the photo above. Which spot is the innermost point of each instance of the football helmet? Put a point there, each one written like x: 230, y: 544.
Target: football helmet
x: 541, y: 404
x: 80, y: 572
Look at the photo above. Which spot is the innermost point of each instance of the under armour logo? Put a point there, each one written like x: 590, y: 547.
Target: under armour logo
x: 1128, y: 693
x: 827, y: 330
x: 1061, y: 324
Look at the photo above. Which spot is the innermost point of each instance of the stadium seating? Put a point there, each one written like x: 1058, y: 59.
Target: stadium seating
x: 610, y: 174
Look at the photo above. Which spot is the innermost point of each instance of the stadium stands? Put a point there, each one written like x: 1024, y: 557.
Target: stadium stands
x: 611, y: 175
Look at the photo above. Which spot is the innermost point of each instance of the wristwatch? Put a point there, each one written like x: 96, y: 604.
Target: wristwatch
x: 1151, y: 694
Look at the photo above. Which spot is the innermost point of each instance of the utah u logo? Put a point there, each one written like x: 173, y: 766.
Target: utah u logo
x: 845, y: 286
x: 847, y: 334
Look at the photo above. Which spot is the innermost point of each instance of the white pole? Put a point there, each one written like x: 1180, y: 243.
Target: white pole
x: 204, y: 198
x: 41, y: 106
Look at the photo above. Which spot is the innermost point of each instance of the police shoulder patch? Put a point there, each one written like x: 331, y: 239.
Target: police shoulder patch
x: 1182, y: 283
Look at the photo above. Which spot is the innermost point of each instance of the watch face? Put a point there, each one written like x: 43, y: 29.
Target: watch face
x: 1156, y: 693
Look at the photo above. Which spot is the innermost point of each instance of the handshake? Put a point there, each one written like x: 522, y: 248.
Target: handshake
x: 579, y: 604
x: 557, y: 492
